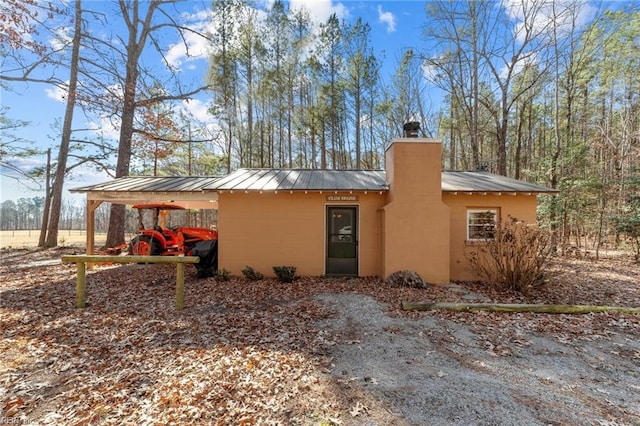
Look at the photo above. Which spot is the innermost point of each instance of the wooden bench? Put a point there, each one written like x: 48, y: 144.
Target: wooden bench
x: 81, y: 261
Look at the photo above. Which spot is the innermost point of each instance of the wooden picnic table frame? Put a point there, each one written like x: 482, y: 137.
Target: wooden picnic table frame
x: 81, y: 261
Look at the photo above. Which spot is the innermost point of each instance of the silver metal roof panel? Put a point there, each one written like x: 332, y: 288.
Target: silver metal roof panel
x: 152, y: 184
x: 307, y: 180
x: 301, y: 180
x: 487, y: 182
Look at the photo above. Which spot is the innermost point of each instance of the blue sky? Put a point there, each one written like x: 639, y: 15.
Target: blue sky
x: 395, y: 25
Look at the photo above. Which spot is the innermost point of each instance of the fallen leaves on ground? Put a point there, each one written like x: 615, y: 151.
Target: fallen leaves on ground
x: 241, y: 352
x: 609, y: 282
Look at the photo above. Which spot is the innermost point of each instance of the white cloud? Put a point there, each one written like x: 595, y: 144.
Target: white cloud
x: 200, y: 111
x: 63, y: 37
x: 194, y: 46
x: 85, y: 176
x: 387, y: 18
x: 197, y: 109
x: 320, y: 10
x: 106, y: 127
x: 366, y: 121
x: 57, y: 93
x: 264, y: 4
x: 430, y: 72
x: 542, y: 16
x: 529, y: 59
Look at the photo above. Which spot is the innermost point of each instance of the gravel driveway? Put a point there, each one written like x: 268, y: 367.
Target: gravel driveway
x: 431, y: 370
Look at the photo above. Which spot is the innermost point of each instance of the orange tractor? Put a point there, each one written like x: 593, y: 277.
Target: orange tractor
x: 158, y: 240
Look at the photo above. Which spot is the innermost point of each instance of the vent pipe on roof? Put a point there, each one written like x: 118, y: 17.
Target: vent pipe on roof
x: 411, y: 129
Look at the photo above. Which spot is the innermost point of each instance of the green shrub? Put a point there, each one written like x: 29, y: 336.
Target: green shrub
x: 515, y: 258
x: 285, y: 274
x: 223, y: 274
x: 252, y: 274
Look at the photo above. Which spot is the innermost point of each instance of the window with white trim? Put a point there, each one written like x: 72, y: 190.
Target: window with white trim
x: 481, y: 224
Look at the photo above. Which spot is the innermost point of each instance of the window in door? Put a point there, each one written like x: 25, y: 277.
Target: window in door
x: 342, y: 241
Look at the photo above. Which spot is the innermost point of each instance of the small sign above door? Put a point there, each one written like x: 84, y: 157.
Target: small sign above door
x: 342, y: 198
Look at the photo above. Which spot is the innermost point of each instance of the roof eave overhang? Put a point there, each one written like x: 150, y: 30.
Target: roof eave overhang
x: 188, y: 200
x: 302, y: 191
x: 503, y: 192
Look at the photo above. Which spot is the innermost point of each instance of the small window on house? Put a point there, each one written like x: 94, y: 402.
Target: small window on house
x: 481, y: 224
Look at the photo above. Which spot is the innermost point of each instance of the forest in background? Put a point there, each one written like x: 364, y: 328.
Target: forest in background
x: 543, y: 91
x: 27, y: 213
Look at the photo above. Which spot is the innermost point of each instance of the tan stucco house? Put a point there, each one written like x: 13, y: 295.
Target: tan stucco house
x: 328, y: 222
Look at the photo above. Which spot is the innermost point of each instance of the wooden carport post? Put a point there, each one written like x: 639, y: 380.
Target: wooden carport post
x: 82, y: 259
x: 81, y: 285
x: 92, y: 205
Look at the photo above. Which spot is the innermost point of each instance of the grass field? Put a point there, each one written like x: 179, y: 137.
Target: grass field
x: 29, y: 238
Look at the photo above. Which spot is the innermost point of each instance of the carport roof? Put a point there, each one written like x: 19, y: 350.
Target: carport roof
x: 152, y: 184
x: 183, y: 191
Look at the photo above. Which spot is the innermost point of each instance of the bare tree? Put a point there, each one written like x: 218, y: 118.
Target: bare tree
x: 223, y: 75
x: 142, y: 26
x: 54, y: 199
x: 12, y: 146
x: 361, y: 74
x: 460, y: 32
x: 21, y: 21
x: 489, y: 46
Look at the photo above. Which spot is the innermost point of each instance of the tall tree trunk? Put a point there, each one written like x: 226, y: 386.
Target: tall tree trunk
x: 323, y: 145
x: 61, y: 167
x: 475, y: 118
x: 358, y: 142
x: 290, y: 120
x: 250, y: 138
x: 555, y: 175
x: 115, y: 233
x: 502, y: 137
x: 47, y: 203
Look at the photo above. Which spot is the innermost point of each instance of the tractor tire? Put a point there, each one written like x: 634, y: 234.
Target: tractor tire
x: 145, y: 245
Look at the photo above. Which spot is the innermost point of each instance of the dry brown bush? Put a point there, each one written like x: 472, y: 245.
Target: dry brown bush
x: 514, y: 258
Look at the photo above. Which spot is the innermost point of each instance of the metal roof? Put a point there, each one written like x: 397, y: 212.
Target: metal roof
x: 183, y: 191
x: 152, y: 184
x: 301, y: 180
x: 487, y: 182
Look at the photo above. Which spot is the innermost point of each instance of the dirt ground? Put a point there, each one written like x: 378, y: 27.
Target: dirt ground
x: 315, y: 352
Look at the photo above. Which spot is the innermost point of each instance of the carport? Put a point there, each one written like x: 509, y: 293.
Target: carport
x: 184, y: 191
